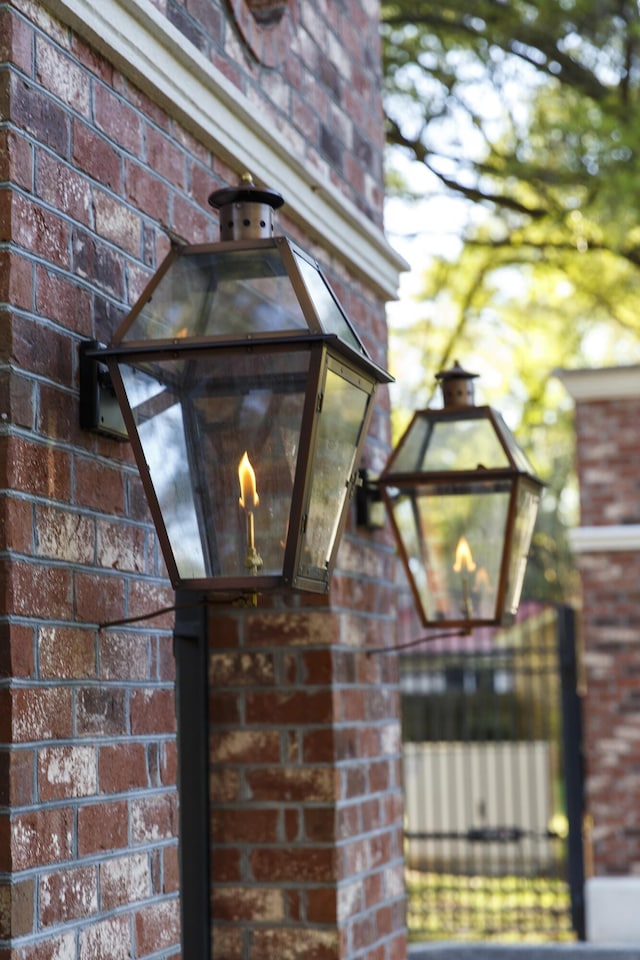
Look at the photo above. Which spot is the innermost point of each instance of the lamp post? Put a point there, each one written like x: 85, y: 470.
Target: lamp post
x: 463, y: 499
x: 246, y: 394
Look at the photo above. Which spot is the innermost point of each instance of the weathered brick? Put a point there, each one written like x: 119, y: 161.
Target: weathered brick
x: 157, y: 926
x: 65, y: 772
x: 106, y: 940
x: 125, y: 880
x: 68, y: 895
x: 41, y: 837
x: 40, y: 116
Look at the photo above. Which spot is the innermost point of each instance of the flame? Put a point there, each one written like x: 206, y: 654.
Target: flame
x: 247, y: 477
x: 464, y: 559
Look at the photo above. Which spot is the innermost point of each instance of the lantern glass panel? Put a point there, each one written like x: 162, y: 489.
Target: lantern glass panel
x: 340, y: 424
x: 329, y: 313
x: 453, y: 442
x: 195, y: 419
x: 220, y: 293
x: 519, y: 457
x: 453, y: 537
x: 528, y: 500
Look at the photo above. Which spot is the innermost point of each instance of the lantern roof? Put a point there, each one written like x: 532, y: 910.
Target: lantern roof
x: 250, y: 286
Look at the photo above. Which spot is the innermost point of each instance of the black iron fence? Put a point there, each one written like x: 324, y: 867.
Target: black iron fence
x: 492, y: 772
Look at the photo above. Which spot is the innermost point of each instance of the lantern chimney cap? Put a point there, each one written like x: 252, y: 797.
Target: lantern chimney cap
x: 246, y: 211
x: 457, y: 386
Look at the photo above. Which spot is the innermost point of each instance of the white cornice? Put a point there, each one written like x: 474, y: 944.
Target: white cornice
x: 605, y: 383
x: 603, y: 539
x: 146, y: 47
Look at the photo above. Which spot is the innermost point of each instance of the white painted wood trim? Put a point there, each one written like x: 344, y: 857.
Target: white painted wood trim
x: 146, y: 47
x: 605, y: 383
x: 605, y: 539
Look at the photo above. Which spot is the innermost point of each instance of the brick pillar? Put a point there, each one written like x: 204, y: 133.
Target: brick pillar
x: 306, y: 805
x: 607, y: 546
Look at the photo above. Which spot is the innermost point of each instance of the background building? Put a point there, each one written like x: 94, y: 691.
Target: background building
x: 606, y: 544
x: 117, y: 120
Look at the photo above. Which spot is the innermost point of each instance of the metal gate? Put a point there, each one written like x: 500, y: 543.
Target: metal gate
x: 493, y: 784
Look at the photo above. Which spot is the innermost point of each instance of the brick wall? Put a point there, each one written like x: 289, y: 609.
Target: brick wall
x: 610, y: 495
x: 95, y: 176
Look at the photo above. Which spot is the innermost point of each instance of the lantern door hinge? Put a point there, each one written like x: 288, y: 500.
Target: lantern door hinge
x: 319, y: 402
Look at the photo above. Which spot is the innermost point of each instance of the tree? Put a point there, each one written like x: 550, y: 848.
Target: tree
x: 524, y: 115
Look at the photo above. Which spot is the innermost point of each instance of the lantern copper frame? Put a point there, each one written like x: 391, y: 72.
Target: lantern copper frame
x: 462, y: 498
x: 245, y: 327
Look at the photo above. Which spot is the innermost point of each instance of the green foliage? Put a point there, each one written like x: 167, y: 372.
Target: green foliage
x: 524, y: 114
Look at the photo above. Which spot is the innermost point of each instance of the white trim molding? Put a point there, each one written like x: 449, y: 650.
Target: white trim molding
x: 148, y: 49
x: 611, y: 906
x: 609, y: 539
x: 604, y: 383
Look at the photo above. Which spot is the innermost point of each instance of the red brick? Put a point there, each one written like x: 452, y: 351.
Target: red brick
x: 124, y: 880
x: 41, y: 713
x: 117, y: 119
x: 147, y: 192
x: 322, y: 905
x: 35, y: 468
x: 244, y: 825
x: 165, y: 157
x: 295, y: 707
x: 42, y: 837
x: 68, y: 895
x: 66, y: 653
x: 157, y: 927
x: 64, y: 535
x: 67, y: 772
x: 16, y: 280
x: 39, y: 115
x: 152, y: 711
x: 16, y: 525
x: 106, y: 940
x: 306, y: 865
x: 39, y: 231
x: 16, y: 651
x: 60, y: 185
x: 101, y: 711
x: 102, y: 826
x: 39, y: 590
x: 96, y: 157
x: 99, y: 485
x: 153, y: 818
x: 124, y: 656
x: 123, y: 767
x: 98, y: 598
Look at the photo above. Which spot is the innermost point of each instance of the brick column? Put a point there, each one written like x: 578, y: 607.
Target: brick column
x: 607, y: 546
x: 306, y: 804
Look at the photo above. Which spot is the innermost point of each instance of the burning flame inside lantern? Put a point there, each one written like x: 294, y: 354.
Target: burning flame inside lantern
x: 464, y: 559
x: 464, y: 564
x: 247, y: 476
x: 248, y: 500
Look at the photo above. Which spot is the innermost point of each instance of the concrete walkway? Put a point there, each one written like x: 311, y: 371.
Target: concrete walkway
x: 499, y: 951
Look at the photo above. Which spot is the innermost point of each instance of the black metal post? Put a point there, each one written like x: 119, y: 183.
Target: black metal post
x: 192, y: 709
x: 573, y: 762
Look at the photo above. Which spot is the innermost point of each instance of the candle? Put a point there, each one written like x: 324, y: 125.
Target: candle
x: 248, y: 500
x: 464, y: 564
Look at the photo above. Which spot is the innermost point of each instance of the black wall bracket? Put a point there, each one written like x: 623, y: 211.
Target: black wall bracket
x: 99, y: 408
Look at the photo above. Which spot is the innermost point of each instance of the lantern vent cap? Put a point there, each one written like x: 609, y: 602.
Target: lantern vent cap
x: 457, y: 386
x: 246, y: 211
